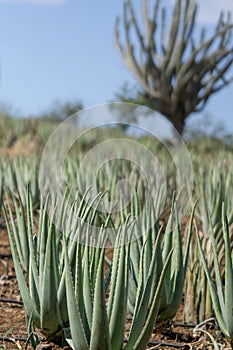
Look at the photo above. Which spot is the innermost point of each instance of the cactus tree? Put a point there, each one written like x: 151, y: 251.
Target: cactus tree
x: 177, y: 72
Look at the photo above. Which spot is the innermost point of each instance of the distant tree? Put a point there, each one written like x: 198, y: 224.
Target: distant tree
x: 62, y: 110
x: 207, y: 126
x: 176, y: 73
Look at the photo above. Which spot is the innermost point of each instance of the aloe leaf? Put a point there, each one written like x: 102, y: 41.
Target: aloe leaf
x: 42, y: 236
x: 71, y: 247
x: 118, y: 310
x: 213, y: 292
x: 143, y: 296
x: 140, y: 289
x: 177, y: 265
x: 176, y: 283
x: 181, y: 269
x: 100, y: 338
x: 32, y: 287
x: 189, y: 239
x: 79, y: 279
x: 29, y: 305
x: 168, y: 232
x: 21, y: 235
x: 76, y: 327
x: 217, y: 270
x: 145, y: 334
x: 228, y: 312
x: 147, y: 256
x: 135, y: 256
x: 167, y: 246
x: 113, y: 277
x: 30, y: 240
x: 87, y: 287
x: 174, y: 280
x: 19, y: 244
x: 71, y: 343
x: 50, y: 316
x: 132, y: 290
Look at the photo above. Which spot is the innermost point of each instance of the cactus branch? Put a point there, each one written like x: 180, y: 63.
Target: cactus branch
x: 176, y: 72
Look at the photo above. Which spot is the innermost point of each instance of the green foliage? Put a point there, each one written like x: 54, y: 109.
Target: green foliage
x: 105, y: 329
x: 72, y: 292
x: 213, y: 187
x: 21, y: 174
x: 62, y: 110
x: 221, y: 286
x: 175, y: 277
x: 44, y: 269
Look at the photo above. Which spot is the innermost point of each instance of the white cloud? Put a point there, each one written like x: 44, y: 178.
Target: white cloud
x: 51, y: 2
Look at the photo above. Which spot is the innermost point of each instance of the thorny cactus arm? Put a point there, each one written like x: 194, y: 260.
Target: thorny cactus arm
x: 176, y: 73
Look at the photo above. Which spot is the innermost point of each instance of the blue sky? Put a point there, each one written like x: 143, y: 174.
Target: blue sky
x: 64, y: 49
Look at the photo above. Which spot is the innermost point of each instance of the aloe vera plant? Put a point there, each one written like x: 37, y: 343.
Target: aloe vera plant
x: 93, y: 325
x: 39, y: 263
x: 64, y: 288
x: 36, y: 261
x: 221, y: 288
x: 20, y: 174
x: 213, y: 187
x: 175, y: 277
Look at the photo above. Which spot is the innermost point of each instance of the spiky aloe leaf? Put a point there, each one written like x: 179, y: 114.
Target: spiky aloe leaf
x: 42, y: 236
x: 30, y: 307
x: 143, y: 295
x: 79, y: 341
x: 119, y: 291
x: 144, y: 335
x: 79, y: 279
x: 51, y: 323
x: 72, y: 249
x: 219, y: 284
x: 228, y: 312
x: 148, y: 247
x: 100, y: 338
x: 175, y: 277
x: 114, y: 276
x: 20, y: 233
x: 21, y: 240
x: 177, y: 270
x: 167, y: 242
x: 32, y: 251
x: 189, y: 239
x: 214, y: 296
x: 88, y: 287
x: 32, y: 286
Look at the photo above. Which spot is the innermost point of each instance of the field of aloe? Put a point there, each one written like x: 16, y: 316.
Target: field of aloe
x: 143, y: 276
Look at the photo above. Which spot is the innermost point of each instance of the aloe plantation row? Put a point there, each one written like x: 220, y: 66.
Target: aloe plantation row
x: 85, y: 274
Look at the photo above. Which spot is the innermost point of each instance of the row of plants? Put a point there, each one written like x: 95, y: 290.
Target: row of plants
x: 69, y: 290
x: 74, y: 292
